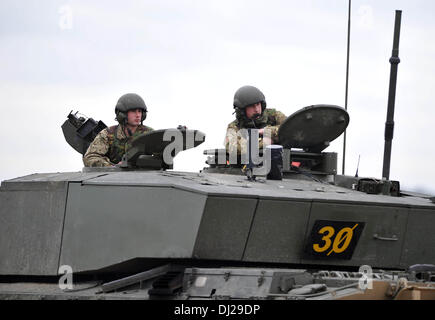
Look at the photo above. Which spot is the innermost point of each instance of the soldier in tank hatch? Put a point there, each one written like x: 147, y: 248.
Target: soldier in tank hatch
x: 251, y: 112
x: 112, y: 143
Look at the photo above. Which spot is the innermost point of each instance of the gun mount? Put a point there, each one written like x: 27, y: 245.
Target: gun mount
x: 304, y: 135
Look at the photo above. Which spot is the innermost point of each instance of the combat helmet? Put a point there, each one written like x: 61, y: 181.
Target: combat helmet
x: 129, y: 101
x: 246, y: 96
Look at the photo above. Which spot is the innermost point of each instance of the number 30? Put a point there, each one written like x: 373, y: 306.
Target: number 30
x: 344, y: 234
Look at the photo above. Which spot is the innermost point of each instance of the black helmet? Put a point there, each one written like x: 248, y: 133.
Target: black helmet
x: 129, y: 101
x: 248, y: 95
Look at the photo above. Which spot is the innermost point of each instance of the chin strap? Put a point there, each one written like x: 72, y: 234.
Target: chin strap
x: 256, y: 123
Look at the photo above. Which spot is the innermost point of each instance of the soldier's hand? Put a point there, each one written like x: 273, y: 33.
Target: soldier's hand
x: 260, y: 132
x: 267, y: 141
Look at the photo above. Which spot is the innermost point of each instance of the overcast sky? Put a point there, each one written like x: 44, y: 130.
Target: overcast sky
x: 186, y: 58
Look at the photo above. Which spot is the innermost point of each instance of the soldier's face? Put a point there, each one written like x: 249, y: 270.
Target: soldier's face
x: 252, y: 110
x: 134, y: 117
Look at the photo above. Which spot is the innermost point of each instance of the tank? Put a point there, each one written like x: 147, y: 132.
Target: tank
x: 143, y: 231
x: 231, y: 231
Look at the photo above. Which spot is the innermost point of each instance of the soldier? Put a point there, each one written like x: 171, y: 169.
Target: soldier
x: 251, y: 112
x: 112, y: 143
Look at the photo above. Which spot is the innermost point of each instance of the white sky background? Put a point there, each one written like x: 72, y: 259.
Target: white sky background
x: 187, y: 58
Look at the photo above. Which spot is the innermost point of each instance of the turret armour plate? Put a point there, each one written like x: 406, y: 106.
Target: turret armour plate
x: 156, y: 141
x: 313, y: 128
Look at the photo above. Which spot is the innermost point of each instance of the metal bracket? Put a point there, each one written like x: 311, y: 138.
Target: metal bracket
x: 393, y: 238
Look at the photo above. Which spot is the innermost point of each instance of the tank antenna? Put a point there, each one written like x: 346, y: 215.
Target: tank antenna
x: 357, y: 167
x: 347, y: 83
x: 389, y: 124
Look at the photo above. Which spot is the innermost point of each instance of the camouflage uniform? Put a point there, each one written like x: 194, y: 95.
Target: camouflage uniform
x: 110, y: 145
x: 271, y: 119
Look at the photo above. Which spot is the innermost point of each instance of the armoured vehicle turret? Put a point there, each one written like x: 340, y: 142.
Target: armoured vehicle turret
x: 214, y: 233
x: 231, y: 231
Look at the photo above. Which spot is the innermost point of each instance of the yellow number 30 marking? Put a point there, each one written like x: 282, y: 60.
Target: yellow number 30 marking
x: 327, y: 239
x: 341, y: 241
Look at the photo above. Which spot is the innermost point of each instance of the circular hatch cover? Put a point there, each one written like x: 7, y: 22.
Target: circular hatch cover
x: 313, y: 128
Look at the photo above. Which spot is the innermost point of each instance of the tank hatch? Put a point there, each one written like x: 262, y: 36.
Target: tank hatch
x: 149, y: 149
x: 313, y: 128
x: 79, y: 132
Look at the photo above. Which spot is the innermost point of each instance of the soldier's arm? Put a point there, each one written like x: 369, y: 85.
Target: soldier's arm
x: 280, y: 118
x: 96, y: 155
x: 233, y: 141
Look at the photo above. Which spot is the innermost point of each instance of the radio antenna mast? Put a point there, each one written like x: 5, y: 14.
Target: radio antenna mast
x: 347, y: 82
x: 389, y: 124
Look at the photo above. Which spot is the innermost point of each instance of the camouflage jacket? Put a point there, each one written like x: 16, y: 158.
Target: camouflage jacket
x: 271, y: 120
x: 110, y: 145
